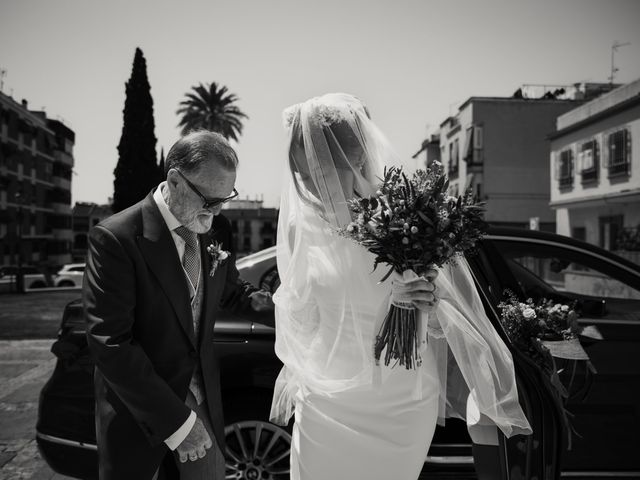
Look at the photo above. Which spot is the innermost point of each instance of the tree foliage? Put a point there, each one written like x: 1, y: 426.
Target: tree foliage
x: 137, y: 171
x: 211, y: 107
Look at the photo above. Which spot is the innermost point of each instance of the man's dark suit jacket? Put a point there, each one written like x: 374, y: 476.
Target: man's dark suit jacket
x: 140, y: 333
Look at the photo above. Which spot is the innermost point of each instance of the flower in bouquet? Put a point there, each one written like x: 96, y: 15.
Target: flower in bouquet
x: 412, y: 224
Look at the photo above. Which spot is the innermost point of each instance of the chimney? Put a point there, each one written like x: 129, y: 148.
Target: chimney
x: 24, y: 103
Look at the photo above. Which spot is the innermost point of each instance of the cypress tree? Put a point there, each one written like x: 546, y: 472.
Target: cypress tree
x: 161, y: 165
x: 137, y: 171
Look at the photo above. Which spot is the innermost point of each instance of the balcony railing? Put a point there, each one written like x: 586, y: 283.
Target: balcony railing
x: 63, y: 157
x: 617, y: 169
x: 589, y: 176
x: 62, y: 183
x: 565, y: 182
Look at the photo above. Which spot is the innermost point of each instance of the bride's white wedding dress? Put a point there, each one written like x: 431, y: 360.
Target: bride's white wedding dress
x: 355, y: 419
x: 360, y: 421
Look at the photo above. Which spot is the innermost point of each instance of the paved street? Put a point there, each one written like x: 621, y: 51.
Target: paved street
x: 25, y: 365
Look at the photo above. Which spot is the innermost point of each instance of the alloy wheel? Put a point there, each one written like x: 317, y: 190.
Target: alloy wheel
x: 257, y: 450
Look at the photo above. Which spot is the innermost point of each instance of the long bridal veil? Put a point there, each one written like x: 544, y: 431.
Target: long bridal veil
x: 330, y: 304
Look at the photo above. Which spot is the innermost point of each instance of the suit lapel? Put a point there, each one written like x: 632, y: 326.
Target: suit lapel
x: 159, y: 250
x: 210, y: 285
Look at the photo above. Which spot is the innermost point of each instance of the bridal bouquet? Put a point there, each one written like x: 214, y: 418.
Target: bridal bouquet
x: 412, y: 225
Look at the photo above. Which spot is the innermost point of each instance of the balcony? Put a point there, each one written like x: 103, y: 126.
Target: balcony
x: 619, y: 169
x: 565, y: 182
x: 63, y: 158
x: 61, y: 208
x: 589, y: 176
x: 62, y: 183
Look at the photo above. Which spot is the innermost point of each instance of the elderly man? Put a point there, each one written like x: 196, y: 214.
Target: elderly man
x: 157, y: 273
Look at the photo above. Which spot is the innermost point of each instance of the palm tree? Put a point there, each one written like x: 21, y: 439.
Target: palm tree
x: 212, y: 108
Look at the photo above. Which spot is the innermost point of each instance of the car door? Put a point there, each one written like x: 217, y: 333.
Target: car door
x: 606, y: 412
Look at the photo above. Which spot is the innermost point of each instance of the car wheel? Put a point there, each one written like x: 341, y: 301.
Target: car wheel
x: 257, y: 450
x: 37, y: 285
x: 66, y: 283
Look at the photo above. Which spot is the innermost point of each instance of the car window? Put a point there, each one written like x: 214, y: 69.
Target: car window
x: 76, y: 269
x: 545, y: 269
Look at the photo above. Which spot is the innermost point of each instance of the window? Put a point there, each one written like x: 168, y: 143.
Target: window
x: 454, y: 158
x: 468, y: 146
x: 588, y: 161
x: 552, y: 270
x: 579, y: 233
x: 610, y: 228
x: 479, y: 191
x: 619, y: 152
x: 564, y: 168
x: 472, y: 153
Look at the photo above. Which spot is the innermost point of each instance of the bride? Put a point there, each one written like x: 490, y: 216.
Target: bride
x: 355, y: 419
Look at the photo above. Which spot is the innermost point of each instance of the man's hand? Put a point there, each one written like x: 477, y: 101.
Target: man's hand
x: 196, y: 444
x: 261, y: 301
x: 421, y: 292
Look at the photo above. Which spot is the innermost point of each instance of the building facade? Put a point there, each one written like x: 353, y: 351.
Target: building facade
x: 254, y: 227
x: 36, y: 162
x: 499, y: 148
x: 595, y: 170
x: 86, y: 216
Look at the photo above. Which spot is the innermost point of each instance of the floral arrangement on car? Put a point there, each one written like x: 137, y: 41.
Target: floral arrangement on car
x: 412, y: 225
x: 548, y: 333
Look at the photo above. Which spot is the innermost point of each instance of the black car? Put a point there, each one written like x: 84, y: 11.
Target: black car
x: 532, y: 264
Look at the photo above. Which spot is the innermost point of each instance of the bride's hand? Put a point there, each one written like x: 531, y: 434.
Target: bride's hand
x: 421, y: 292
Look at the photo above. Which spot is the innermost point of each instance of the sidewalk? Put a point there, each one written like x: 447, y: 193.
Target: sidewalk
x: 25, y: 365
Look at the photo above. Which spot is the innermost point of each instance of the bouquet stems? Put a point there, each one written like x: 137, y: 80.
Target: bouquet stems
x: 399, y: 336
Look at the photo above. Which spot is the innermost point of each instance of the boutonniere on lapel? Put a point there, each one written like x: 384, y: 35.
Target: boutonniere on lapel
x: 217, y: 256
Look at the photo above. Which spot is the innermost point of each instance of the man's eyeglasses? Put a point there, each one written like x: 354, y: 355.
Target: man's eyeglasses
x: 207, y: 202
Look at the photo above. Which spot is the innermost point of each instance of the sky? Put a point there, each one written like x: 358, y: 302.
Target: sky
x: 413, y: 62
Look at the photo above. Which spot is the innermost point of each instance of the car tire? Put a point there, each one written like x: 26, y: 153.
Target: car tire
x: 257, y: 450
x: 37, y: 284
x: 66, y: 283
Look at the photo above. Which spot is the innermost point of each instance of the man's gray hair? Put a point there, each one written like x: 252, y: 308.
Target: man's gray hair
x: 190, y: 152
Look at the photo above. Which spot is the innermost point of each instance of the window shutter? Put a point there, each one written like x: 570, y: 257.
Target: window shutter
x: 571, y: 162
x: 555, y: 165
x: 468, y: 145
x: 596, y: 153
x: 477, y: 137
x: 627, y: 135
x: 607, y: 151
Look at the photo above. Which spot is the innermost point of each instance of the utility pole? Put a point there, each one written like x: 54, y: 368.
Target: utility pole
x: 614, y: 48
